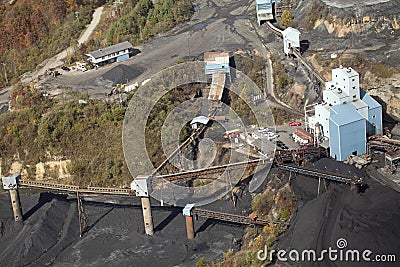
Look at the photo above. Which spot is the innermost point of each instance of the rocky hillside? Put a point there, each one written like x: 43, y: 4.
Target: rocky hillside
x: 361, y: 34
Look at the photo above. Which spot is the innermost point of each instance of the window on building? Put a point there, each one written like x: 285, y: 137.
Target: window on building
x: 353, y: 79
x: 354, y: 96
x: 373, y: 116
x: 354, y: 87
x: 354, y: 153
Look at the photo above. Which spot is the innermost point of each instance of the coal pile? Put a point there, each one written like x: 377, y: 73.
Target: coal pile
x: 122, y: 73
x: 49, y: 234
x: 368, y: 220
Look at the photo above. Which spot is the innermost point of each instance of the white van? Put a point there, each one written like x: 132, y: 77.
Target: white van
x: 81, y: 67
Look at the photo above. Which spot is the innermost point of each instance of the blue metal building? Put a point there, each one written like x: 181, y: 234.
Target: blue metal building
x: 346, y: 132
x: 374, y: 122
x: 347, y: 115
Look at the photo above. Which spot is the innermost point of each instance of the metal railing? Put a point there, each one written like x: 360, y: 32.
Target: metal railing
x: 322, y: 174
x: 230, y: 217
x: 75, y: 189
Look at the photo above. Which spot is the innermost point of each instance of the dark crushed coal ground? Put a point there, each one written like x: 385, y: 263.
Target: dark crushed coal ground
x: 369, y: 220
x: 50, y: 233
x: 121, y: 74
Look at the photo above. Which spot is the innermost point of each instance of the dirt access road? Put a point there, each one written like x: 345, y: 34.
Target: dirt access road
x: 216, y: 25
x: 57, y: 60
x: 52, y: 62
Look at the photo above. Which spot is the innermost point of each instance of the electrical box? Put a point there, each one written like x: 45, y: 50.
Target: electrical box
x: 187, y: 211
x: 11, y: 182
x: 142, y: 186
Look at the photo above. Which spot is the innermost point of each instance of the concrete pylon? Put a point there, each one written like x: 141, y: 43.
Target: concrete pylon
x: 187, y: 212
x: 142, y: 187
x: 10, y: 183
x: 189, y: 227
x: 16, y: 205
x: 147, y: 217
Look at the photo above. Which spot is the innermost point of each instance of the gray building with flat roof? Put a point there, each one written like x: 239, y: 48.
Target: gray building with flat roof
x: 110, y: 54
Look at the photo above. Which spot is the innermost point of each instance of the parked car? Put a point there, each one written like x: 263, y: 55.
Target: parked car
x: 65, y: 68
x: 81, y: 68
x: 255, y: 136
x: 295, y: 123
x: 273, y: 136
x: 282, y: 146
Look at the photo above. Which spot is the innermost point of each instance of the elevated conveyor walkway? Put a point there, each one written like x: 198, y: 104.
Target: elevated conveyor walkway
x: 217, y: 86
x: 230, y: 217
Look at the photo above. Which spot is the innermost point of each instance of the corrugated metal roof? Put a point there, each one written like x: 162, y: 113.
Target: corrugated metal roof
x: 111, y: 49
x: 290, y: 30
x: 200, y: 119
x: 216, y: 57
x: 372, y: 103
x: 260, y: 2
x: 344, y: 114
x: 217, y: 86
x: 359, y: 104
x: 213, y: 68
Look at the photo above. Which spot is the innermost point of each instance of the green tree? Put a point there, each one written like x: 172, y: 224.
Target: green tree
x: 286, y: 18
x: 202, y: 263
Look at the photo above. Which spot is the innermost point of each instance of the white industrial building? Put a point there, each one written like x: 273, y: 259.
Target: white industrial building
x: 291, y: 39
x: 346, y: 116
x: 265, y: 10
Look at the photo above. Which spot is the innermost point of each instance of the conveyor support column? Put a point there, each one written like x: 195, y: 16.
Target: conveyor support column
x: 187, y: 212
x: 142, y: 187
x: 10, y: 183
